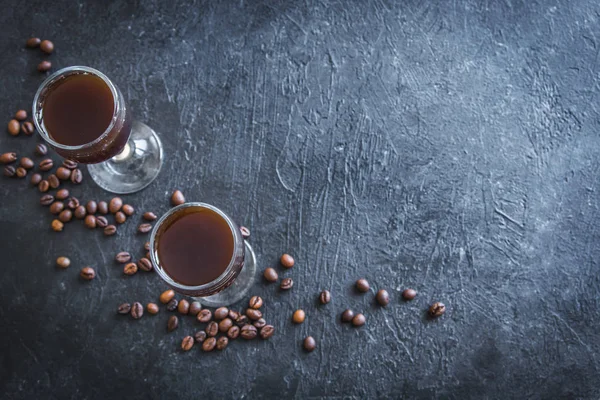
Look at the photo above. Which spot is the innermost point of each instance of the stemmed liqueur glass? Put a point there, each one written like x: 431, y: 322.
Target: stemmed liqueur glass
x: 234, y: 279
x: 125, y: 158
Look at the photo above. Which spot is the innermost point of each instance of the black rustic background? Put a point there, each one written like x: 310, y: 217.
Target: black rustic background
x: 449, y: 146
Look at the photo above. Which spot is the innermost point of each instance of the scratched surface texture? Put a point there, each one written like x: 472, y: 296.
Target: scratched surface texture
x: 449, y: 146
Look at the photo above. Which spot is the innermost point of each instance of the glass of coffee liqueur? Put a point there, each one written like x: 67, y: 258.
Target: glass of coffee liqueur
x: 83, y: 116
x: 199, y: 251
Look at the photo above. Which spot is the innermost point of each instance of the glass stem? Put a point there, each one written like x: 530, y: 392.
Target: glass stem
x: 126, y: 153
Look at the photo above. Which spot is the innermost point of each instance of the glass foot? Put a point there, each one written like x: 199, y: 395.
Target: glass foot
x: 239, y: 288
x: 135, y: 167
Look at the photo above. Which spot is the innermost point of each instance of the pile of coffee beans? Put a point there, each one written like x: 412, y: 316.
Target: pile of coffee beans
x: 19, y: 124
x: 46, y: 46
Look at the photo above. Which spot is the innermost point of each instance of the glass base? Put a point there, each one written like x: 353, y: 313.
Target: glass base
x: 239, y: 288
x: 135, y: 167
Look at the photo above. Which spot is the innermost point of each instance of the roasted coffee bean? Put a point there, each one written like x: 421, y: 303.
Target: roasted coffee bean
x: 187, y: 343
x: 209, y: 344
x: 286, y: 284
x: 130, y: 269
x: 33, y: 42
x: 310, y: 344
x: 267, y: 331
x: 177, y: 198
x: 63, y: 173
x: 21, y: 172
x: 65, y: 216
x: 245, y: 232
x: 149, y: 216
x: 110, y: 230
x: 409, y: 294
x: 36, y: 179
x: 152, y: 308
x: 69, y: 164
x: 183, y: 307
x: 147, y: 246
x: 62, y: 194
x: 325, y: 297
x: 362, y: 285
x: 287, y: 261
x: 101, y: 222
x: 221, y: 312
x: 14, y: 127
x: 46, y: 199
x: 26, y: 163
x: 259, y: 323
x: 248, y: 332
x: 253, y: 314
x: 27, y: 128
x: 115, y: 205
x: 21, y: 115
x: 234, y: 315
x: 195, y: 308
x: 41, y: 149
x: 437, y: 309
x: 91, y: 207
x: 76, y: 176
x: 57, y: 226
x: 127, y: 210
x: 255, y: 302
x: 9, y: 171
x: 53, y: 181
x: 79, y: 212
x: 166, y: 296
x: 73, y: 203
x: 43, y: 186
x: 271, y: 275
x: 172, y: 323
x: 137, y: 310
x: 200, y: 336
x: 44, y: 66
x: 57, y: 207
x: 233, y: 332
x: 124, y: 309
x: 298, y: 316
x: 102, y: 207
x: 144, y: 264
x: 120, y: 217
x: 225, y: 324
x: 172, y: 304
x: 212, y: 329
x: 383, y: 297
x: 242, y: 320
x: 47, y: 46
x: 46, y: 165
x: 87, y: 273
x: 204, y: 315
x: 359, y: 320
x: 144, y: 228
x: 63, y: 262
x: 90, y: 221
x: 8, y: 158
x: 123, y: 257
x: 222, y: 343
x: 347, y: 315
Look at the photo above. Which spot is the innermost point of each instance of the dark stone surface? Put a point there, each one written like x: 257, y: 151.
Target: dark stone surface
x: 449, y: 146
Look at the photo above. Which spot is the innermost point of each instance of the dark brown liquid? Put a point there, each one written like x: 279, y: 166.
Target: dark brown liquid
x: 78, y: 110
x: 196, y: 247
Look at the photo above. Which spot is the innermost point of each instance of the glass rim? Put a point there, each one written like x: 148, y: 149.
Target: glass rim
x: 159, y: 269
x: 42, y: 131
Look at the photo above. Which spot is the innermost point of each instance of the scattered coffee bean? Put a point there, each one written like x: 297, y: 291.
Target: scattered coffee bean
x: 409, y: 294
x: 255, y: 302
x: 115, y: 205
x: 26, y: 163
x: 195, y: 308
x: 73, y: 203
x: 90, y: 221
x: 44, y: 66
x: 212, y: 329
x: 149, y: 216
x: 144, y: 228
x: 271, y: 275
x: 76, y: 176
x: 69, y: 164
x: 21, y: 172
x: 43, y: 186
x: 46, y: 199
x: 57, y: 226
x: 225, y: 324
x: 248, y: 332
x: 222, y: 343
x: 172, y: 323
x: 36, y: 179
x: 253, y: 314
x: 245, y: 232
x: 177, y: 198
x: 172, y: 304
x: 14, y: 127
x: 359, y: 320
x: 200, y: 336
x: 47, y: 46
x: 183, y: 307
x: 87, y: 273
x: 110, y: 230
x: 221, y: 313
x: 46, y: 165
x: 103, y: 207
x: 325, y: 297
x: 101, y: 222
x: 62, y: 194
x: 120, y: 217
x: 233, y: 332
x: 266, y: 332
x: 63, y: 173
x: 124, y: 309
x: 204, y: 315
x: 33, y: 42
x: 27, y: 128
x: 383, y: 298
x: 242, y: 320
x: 166, y: 296
x: 234, y: 315
x: 209, y: 344
x: 79, y: 212
x: 65, y: 216
x: 259, y: 323
x: 347, y: 315
x: 63, y: 262
x: 127, y: 210
x: 9, y: 171
x: 298, y: 316
x: 8, y: 158
x: 21, y: 115
x: 137, y: 310
x: 57, y: 207
x: 310, y: 344
x: 130, y: 269
x: 187, y: 343
x: 286, y: 284
x: 362, y: 285
x: 145, y: 265
x: 152, y: 308
x: 287, y: 261
x: 53, y: 181
x: 437, y: 309
x: 41, y: 149
x: 91, y: 207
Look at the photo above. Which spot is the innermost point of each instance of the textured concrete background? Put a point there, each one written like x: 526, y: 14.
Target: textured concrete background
x: 449, y: 146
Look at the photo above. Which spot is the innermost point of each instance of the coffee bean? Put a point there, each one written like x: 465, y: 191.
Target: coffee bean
x: 225, y: 324
x: 222, y: 343
x: 286, y: 284
x: 9, y: 171
x: 69, y: 164
x: 298, y: 316
x: 21, y: 115
x: 248, y: 332
x: 63, y: 173
x: 62, y: 194
x: 120, y: 217
x: 53, y: 181
x: 14, y: 127
x: 79, y: 212
x: 27, y: 163
x: 36, y: 179
x: 102, y: 207
x: 172, y: 304
x: 183, y: 307
x: 347, y: 315
x: 212, y: 329
x: 137, y: 310
x: 359, y: 320
x: 44, y: 66
x: 409, y: 294
x: 41, y: 149
x: 152, y: 308
x: 242, y: 320
x: 200, y: 336
x: 271, y: 275
x: 110, y: 230
x: 437, y: 309
x: 144, y: 228
x: 87, y: 273
x: 204, y: 315
x: 187, y: 343
x: 245, y: 232
x: 259, y: 323
x: 8, y: 158
x: 21, y: 172
x: 147, y: 246
x: 47, y: 46
x: 33, y: 42
x: 46, y: 165
x: 43, y: 186
x: 73, y: 203
x: 233, y: 332
x: 27, y: 128
x: 221, y: 312
x: 234, y: 315
x: 177, y: 198
x: 209, y: 344
x: 115, y: 205
x: 127, y: 210
x: 101, y: 222
x: 57, y: 226
x: 76, y: 176
x: 63, y: 262
x: 124, y: 308
x: 46, y: 199
x: 253, y: 314
x: 130, y: 269
x: 383, y: 298
x: 166, y: 296
x: 149, y: 216
x: 145, y: 265
x: 325, y: 297
x: 57, y: 207
x: 287, y: 261
x: 90, y: 221
x: 255, y: 302
x: 65, y: 216
x: 362, y: 285
x: 172, y: 323
x: 266, y: 332
x: 195, y: 308
x: 310, y: 344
